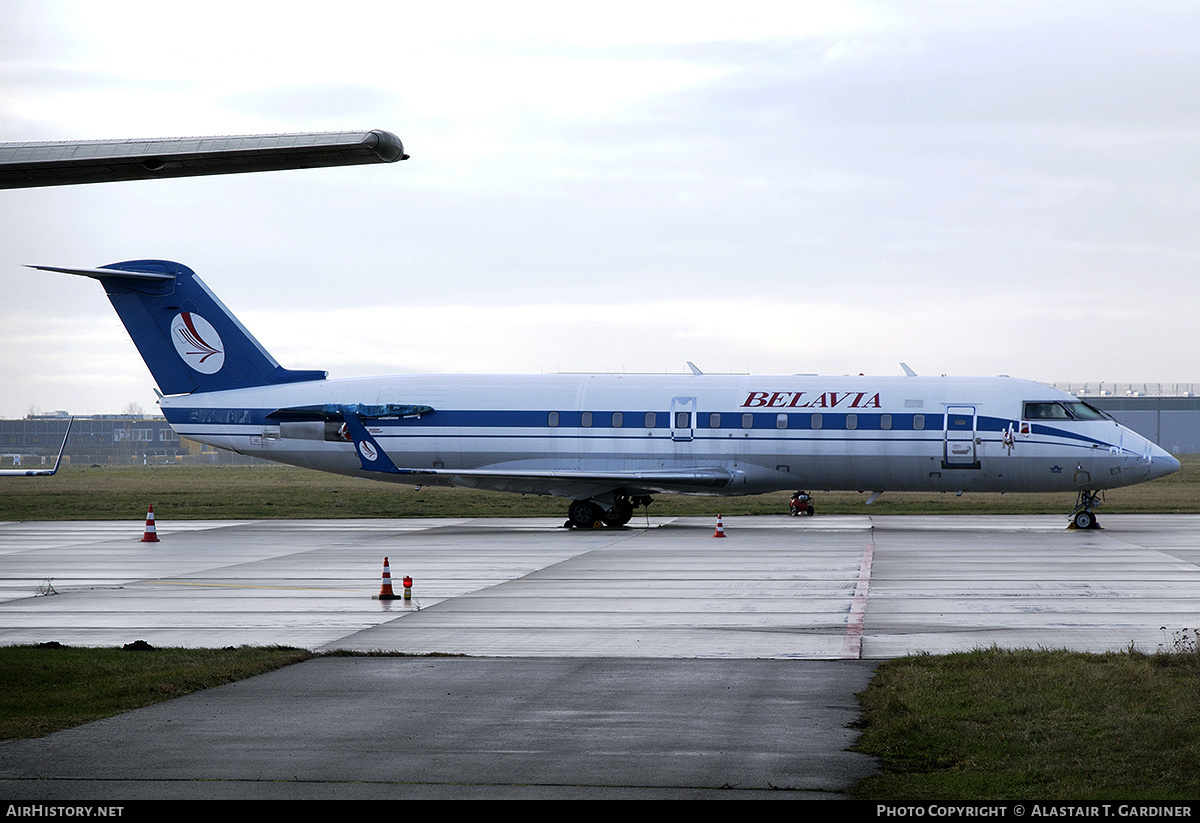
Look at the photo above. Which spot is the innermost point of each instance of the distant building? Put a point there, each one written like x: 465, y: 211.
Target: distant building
x: 1171, y: 422
x: 114, y: 439
x: 1167, y: 413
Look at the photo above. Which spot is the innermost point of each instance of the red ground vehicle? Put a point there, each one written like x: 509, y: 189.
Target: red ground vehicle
x: 800, y: 504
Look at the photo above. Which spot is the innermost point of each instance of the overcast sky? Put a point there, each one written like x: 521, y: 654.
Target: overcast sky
x: 972, y: 188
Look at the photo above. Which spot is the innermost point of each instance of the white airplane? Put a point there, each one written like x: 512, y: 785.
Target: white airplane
x: 606, y: 441
x: 42, y: 472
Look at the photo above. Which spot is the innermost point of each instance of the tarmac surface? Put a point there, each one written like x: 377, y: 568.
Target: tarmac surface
x: 653, y: 661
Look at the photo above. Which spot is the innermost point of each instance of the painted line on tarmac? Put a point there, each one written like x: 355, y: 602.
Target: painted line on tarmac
x: 852, y: 642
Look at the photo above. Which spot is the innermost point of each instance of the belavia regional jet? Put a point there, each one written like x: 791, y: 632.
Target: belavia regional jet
x: 609, y: 441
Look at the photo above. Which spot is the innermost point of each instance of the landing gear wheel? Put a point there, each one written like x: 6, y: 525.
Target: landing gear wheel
x: 1083, y: 518
x: 583, y: 514
x: 618, y: 515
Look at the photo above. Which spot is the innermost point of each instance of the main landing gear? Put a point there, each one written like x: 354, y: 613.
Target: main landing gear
x: 587, y: 514
x: 1082, y: 517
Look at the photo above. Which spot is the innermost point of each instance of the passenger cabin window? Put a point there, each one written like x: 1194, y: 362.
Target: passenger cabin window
x: 618, y: 420
x: 818, y: 421
x: 683, y: 420
x: 918, y: 422
x: 714, y: 421
x: 781, y: 421
x: 747, y: 421
x: 586, y: 420
x: 552, y: 418
x: 852, y: 421
x: 885, y: 421
x: 650, y: 420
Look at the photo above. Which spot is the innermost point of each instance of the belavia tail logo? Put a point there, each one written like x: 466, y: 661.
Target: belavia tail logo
x: 197, y: 343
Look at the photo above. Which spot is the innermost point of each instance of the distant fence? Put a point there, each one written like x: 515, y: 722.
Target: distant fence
x: 1103, y: 389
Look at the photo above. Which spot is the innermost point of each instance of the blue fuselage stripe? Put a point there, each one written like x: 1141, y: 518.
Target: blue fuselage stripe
x: 782, y: 424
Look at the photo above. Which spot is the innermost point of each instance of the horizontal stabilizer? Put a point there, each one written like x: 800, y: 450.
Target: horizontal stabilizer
x: 99, y: 273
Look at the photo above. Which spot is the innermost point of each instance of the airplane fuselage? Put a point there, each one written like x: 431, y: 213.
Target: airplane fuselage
x: 768, y: 433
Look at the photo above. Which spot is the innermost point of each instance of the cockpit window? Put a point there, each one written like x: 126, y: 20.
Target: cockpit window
x: 1068, y: 410
x: 1046, y: 411
x: 1083, y: 411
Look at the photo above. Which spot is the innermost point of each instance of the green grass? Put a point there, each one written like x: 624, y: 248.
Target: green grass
x: 47, y: 688
x: 983, y: 725
x: 267, y: 492
x: 1045, y: 725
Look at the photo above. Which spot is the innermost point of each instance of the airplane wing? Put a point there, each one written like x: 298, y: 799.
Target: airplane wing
x: 42, y: 472
x: 564, y: 483
x: 66, y: 162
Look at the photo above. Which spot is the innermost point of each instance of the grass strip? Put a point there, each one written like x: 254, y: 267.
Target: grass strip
x: 285, y: 492
x: 49, y: 687
x: 1042, y: 725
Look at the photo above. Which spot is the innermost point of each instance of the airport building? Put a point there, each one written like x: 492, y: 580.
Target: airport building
x: 1168, y: 414
x: 106, y: 439
x: 1171, y: 422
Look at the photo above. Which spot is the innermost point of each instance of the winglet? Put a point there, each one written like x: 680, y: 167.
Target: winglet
x: 372, y: 456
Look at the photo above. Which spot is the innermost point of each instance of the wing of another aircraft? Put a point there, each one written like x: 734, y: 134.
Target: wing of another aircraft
x: 42, y: 472
x: 67, y: 162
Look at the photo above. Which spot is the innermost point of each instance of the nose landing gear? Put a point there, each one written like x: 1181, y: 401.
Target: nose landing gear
x: 1082, y: 517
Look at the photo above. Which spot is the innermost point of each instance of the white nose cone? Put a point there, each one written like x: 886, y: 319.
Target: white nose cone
x: 1161, y: 462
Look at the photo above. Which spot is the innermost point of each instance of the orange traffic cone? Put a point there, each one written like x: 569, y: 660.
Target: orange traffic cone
x: 720, y: 532
x: 150, y: 535
x: 385, y: 590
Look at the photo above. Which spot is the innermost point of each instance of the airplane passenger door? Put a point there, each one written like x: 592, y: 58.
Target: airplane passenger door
x: 683, y: 418
x: 960, y: 439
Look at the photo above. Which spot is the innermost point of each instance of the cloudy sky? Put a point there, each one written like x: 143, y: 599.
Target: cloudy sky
x: 972, y: 188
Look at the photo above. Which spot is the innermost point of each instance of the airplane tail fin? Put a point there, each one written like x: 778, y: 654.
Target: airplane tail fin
x: 190, y: 341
